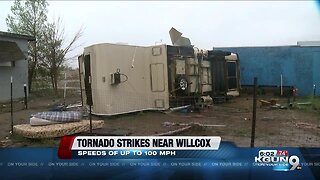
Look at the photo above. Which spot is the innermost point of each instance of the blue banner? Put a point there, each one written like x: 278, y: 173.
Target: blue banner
x: 229, y: 162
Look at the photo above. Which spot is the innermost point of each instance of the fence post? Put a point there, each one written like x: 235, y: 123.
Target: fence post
x: 25, y: 96
x: 253, y: 128
x: 11, y: 102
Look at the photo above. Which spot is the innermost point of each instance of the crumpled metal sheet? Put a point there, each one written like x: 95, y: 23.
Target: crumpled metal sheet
x: 177, y: 39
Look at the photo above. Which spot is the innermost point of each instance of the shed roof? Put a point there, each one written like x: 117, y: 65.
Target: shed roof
x: 18, y: 36
x: 308, y: 43
x: 10, y: 51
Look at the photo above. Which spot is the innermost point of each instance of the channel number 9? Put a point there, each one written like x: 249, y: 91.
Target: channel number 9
x: 294, y: 162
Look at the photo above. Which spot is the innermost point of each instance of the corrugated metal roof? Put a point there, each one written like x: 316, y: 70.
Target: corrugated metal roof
x: 299, y: 44
x: 308, y: 43
x: 18, y: 36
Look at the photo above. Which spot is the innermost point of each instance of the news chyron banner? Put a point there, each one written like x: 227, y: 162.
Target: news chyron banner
x: 157, y: 157
x: 72, y: 147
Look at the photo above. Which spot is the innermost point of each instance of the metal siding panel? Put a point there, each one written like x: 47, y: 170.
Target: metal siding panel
x: 297, y: 64
x: 303, y: 66
x: 316, y: 74
x: 20, y: 77
x: 157, y: 77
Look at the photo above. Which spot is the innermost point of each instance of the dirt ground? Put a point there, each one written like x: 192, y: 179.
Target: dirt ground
x: 274, y: 127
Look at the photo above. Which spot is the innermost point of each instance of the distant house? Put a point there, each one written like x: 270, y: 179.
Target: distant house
x: 13, y: 62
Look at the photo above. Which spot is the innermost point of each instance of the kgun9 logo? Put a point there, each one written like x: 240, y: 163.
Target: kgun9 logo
x: 279, y: 159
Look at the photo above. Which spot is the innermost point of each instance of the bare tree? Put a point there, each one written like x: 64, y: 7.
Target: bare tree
x: 56, y: 49
x: 29, y: 17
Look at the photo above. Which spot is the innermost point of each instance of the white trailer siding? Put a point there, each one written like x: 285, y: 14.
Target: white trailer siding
x: 143, y: 86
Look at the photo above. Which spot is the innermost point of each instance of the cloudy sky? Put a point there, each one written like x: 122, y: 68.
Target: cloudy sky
x: 208, y: 24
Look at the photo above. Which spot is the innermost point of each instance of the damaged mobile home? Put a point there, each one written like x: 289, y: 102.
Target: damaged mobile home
x: 117, y: 78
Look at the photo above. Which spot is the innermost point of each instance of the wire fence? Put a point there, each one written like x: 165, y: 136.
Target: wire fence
x: 67, y: 81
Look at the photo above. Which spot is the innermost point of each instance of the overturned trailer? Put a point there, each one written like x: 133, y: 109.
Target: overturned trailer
x: 117, y: 78
x: 196, y: 75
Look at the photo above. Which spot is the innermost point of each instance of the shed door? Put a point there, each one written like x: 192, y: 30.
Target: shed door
x: 157, y: 77
x: 232, y: 74
x: 87, y: 79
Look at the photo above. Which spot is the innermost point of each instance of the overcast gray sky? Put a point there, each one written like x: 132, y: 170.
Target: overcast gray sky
x: 208, y: 24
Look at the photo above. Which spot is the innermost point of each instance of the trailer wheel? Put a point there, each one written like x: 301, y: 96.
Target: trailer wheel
x: 181, y: 84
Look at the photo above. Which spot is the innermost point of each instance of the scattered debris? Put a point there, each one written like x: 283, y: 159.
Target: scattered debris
x: 265, y: 103
x: 174, y: 131
x: 180, y: 108
x: 191, y: 124
x: 5, y: 143
x: 276, y: 106
x: 169, y: 124
x: 187, y: 126
x: 304, y: 103
x: 306, y: 125
x: 198, y: 116
x: 267, y: 118
x: 283, y: 107
x: 271, y: 102
x: 279, y: 106
x: 74, y: 105
x: 208, y: 125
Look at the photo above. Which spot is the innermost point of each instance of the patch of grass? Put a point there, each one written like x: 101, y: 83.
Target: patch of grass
x: 27, y: 142
x: 241, y: 132
x: 313, y: 107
